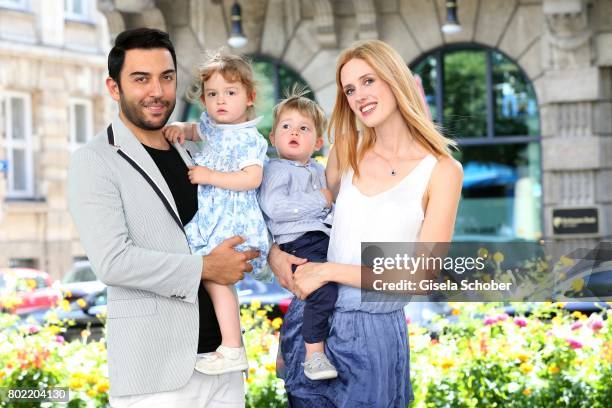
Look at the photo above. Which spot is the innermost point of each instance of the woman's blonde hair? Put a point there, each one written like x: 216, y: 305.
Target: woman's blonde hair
x: 234, y: 68
x: 295, y: 99
x: 389, y: 67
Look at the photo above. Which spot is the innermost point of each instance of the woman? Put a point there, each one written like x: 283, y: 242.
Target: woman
x: 394, y: 180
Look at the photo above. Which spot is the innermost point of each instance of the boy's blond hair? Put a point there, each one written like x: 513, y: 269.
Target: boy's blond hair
x: 234, y: 68
x: 295, y: 99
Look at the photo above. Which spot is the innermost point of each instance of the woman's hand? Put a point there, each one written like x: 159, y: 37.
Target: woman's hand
x: 280, y: 262
x: 308, y: 278
x: 200, y: 175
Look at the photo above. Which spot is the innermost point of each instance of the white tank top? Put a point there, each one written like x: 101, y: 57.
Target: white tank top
x: 394, y: 215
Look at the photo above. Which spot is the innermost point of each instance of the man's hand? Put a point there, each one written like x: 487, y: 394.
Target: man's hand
x: 224, y: 265
x: 280, y: 262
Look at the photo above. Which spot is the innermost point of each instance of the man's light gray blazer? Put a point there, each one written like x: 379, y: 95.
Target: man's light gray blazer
x: 137, y: 247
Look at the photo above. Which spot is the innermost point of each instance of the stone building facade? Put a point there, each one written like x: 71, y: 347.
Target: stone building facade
x: 52, y: 99
x: 563, y: 47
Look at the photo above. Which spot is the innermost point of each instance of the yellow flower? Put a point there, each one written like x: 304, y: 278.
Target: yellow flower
x: 560, y: 305
x: 64, y: 304
x: 82, y: 303
x: 557, y: 320
x: 565, y: 261
x: 271, y: 367
x: 67, y: 294
x: 261, y: 313
x: 91, y: 393
x: 483, y: 253
x: 85, y: 334
x: 553, y: 369
x: 455, y: 312
x: 251, y: 370
x: 102, y: 386
x: 31, y: 284
x: 526, y: 368
x: 277, y: 323
x: 255, y: 305
x: 2, y: 374
x: 577, y: 314
x: 76, y: 383
x: 498, y: 257
x: 447, y: 363
x: 91, y: 378
x: 578, y: 284
x: 522, y: 356
x: 527, y: 392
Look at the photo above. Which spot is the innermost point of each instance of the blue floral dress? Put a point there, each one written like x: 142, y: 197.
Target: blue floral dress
x: 224, y: 213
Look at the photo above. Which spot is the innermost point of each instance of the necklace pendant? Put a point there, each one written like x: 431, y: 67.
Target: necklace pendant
x: 393, y: 172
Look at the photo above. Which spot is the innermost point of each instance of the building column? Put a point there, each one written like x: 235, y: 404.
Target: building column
x: 575, y: 112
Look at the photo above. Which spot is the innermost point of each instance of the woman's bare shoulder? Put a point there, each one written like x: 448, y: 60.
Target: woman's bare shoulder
x: 446, y: 170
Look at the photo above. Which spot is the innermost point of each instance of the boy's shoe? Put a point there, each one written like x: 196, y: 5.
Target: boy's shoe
x: 318, y: 367
x: 230, y: 359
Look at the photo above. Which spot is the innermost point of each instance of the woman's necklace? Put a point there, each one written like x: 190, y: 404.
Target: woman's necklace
x: 393, y: 172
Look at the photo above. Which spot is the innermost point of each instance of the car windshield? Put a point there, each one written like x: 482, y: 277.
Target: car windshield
x: 80, y: 274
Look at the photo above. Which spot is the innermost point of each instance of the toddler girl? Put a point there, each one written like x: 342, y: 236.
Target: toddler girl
x: 228, y: 170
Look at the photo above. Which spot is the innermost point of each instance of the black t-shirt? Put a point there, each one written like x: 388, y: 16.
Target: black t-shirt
x: 185, y: 196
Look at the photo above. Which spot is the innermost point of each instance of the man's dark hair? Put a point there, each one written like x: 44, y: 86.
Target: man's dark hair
x: 137, y: 38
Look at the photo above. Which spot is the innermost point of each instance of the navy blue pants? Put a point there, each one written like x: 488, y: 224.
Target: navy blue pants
x: 320, y: 303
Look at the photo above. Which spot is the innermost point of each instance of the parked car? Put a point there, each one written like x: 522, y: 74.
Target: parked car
x: 80, y: 282
x: 272, y: 294
x: 23, y: 290
x: 81, y: 272
x: 87, y: 312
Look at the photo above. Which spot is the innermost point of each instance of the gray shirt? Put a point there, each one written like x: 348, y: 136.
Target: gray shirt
x: 291, y: 200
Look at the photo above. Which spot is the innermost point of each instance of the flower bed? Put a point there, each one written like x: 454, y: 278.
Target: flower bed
x: 487, y: 358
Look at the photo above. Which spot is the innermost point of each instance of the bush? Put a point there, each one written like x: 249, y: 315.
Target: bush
x: 485, y: 359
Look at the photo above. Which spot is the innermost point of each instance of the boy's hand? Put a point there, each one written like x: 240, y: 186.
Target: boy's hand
x: 174, y: 133
x: 328, y: 196
x: 199, y: 174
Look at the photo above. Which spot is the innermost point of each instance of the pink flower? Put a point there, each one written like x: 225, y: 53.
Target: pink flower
x: 33, y: 329
x: 575, y: 344
x: 595, y: 323
x: 59, y: 339
x: 490, y: 320
x: 520, y: 322
x: 407, y: 320
x: 502, y: 317
x: 576, y: 325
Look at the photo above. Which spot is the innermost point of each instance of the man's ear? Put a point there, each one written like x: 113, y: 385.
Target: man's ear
x: 113, y: 89
x: 271, y: 136
x: 318, y: 143
x: 251, y: 99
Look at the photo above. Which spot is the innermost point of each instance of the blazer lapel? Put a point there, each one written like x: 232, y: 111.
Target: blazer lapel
x: 128, y: 144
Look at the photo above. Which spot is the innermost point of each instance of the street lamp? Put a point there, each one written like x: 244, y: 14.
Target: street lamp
x: 237, y: 38
x: 451, y: 26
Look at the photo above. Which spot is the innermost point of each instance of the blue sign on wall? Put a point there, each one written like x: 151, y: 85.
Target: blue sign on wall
x: 3, y: 166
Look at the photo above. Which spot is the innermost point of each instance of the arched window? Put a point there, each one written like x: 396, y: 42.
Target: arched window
x: 272, y: 78
x: 483, y: 99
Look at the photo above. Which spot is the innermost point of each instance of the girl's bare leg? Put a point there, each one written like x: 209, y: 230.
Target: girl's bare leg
x: 227, y: 311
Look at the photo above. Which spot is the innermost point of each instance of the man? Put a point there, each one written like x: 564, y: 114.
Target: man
x: 130, y: 196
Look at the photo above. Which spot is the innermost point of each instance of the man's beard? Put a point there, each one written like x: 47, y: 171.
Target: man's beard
x: 133, y: 112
